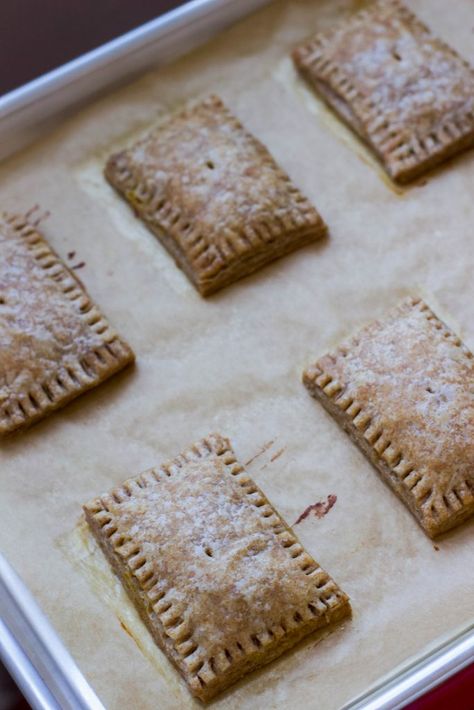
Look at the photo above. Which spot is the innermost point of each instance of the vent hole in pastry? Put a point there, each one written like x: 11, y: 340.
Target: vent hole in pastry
x: 190, y: 651
x: 147, y: 577
x: 397, y: 461
x: 85, y: 368
x: 228, y: 655
x: 297, y: 617
x: 166, y: 606
x: 99, y: 356
x: 210, y: 164
x: 108, y: 347
x: 199, y: 666
x: 424, y: 499
x: 239, y: 646
x: 174, y: 622
x: 256, y: 641
x: 47, y: 392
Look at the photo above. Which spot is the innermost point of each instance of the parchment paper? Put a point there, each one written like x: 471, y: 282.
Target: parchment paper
x: 233, y: 364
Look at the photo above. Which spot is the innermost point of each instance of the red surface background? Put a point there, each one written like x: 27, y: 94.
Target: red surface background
x: 39, y: 35
x: 457, y: 693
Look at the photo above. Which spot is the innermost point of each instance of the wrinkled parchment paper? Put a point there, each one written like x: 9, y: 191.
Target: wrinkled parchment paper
x: 233, y: 364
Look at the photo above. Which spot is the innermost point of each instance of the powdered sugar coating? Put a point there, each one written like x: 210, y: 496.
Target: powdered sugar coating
x: 54, y: 343
x: 406, y: 93
x: 407, y: 384
x: 213, y: 543
x: 217, y: 575
x: 213, y: 195
x: 403, y: 70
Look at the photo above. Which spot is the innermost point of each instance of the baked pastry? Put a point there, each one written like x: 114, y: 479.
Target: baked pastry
x: 403, y: 388
x: 213, y: 195
x: 220, y: 580
x: 54, y: 342
x: 404, y: 91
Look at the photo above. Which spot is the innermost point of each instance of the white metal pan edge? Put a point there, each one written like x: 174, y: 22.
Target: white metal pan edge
x: 28, y: 111
x: 413, y: 679
x: 29, y: 646
x: 33, y: 653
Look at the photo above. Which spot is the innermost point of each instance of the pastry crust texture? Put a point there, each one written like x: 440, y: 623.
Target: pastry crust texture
x: 54, y: 342
x: 405, y: 92
x: 213, y: 195
x: 403, y: 388
x: 218, y: 577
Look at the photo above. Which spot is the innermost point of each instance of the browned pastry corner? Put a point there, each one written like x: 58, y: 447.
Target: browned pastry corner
x: 404, y: 91
x: 213, y: 195
x: 218, y: 577
x: 403, y: 388
x: 54, y: 342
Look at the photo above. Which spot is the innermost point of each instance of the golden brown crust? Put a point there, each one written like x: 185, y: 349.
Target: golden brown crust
x: 222, y: 583
x: 404, y: 91
x: 213, y: 195
x: 54, y: 342
x: 403, y: 390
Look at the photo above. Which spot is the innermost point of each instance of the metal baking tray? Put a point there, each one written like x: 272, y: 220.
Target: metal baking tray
x: 29, y: 646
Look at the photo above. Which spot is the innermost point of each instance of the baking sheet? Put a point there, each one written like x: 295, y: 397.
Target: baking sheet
x: 233, y: 364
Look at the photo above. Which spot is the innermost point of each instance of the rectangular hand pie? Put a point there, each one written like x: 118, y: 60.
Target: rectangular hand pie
x: 218, y: 577
x: 213, y: 195
x: 54, y: 342
x: 403, y: 388
x: 404, y: 91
